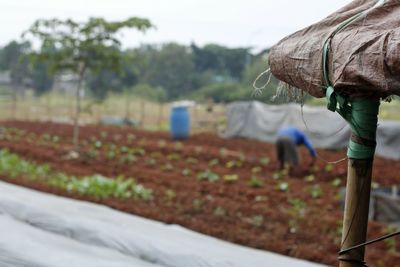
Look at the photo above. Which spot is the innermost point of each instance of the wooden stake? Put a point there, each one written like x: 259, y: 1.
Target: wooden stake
x: 355, y: 221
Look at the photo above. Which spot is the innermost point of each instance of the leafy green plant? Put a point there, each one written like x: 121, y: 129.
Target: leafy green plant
x: 186, y: 172
x: 124, y: 149
x: 336, y: 182
x: 178, y: 146
x: 208, y: 175
x: 197, y: 204
x: 173, y: 157
x: 167, y: 167
x: 233, y: 164
x: 96, y: 186
x: 151, y: 162
x: 265, y: 161
x: 296, y: 212
x: 259, y: 198
x: 219, y: 211
x: 255, y: 182
x: 309, y: 178
x: 283, y: 186
x: 130, y: 137
x: 328, y: 167
x: 213, y: 162
x: 162, y: 143
x: 315, y: 191
x: 256, y: 169
x: 256, y: 220
x: 390, y: 242
x: 223, y: 152
x: 169, y: 196
x: 230, y: 177
x: 192, y: 160
x: 103, y: 134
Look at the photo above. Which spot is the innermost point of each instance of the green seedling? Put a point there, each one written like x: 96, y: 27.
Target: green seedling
x: 256, y: 220
x: 162, y: 143
x: 230, y: 177
x: 192, y: 160
x: 328, y: 167
x: 151, y: 162
x: 98, y: 144
x: 167, y: 167
x: 103, y: 134
x: 186, y: 172
x: 178, y: 146
x: 259, y: 198
x: 213, y: 162
x: 173, y: 157
x: 169, y: 196
x: 208, y: 175
x: 283, y: 186
x: 255, y: 182
x: 265, y: 161
x: 219, y: 212
x: 296, y: 213
x: 233, y: 164
x: 130, y: 137
x: 336, y: 182
x: 56, y: 139
x: 124, y: 149
x: 309, y: 178
x: 223, y: 152
x: 315, y: 191
x: 256, y: 169
x: 197, y: 204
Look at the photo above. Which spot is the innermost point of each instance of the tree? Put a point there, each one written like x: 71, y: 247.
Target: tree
x: 170, y: 66
x: 227, y: 63
x: 81, y: 47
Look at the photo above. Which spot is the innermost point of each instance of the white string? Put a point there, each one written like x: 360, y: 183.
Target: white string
x: 258, y: 90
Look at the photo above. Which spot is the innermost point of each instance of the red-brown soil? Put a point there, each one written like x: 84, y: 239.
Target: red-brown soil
x: 263, y: 217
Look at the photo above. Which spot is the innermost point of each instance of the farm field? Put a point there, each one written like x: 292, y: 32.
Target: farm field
x: 229, y: 189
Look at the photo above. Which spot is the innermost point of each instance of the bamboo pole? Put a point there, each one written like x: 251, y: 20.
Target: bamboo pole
x: 362, y: 117
x: 355, y: 221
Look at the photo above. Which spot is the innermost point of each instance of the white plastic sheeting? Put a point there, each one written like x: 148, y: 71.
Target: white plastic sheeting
x: 326, y: 129
x: 42, y: 230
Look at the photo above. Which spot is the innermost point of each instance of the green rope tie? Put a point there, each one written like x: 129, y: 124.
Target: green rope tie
x: 363, y: 120
x: 361, y: 114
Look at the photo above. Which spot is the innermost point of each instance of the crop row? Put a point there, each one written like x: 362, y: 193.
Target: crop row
x: 96, y: 186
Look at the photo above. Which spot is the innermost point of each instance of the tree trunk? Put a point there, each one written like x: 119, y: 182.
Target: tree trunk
x: 75, y: 138
x: 48, y: 106
x: 142, y: 112
x: 14, y: 104
x: 127, y: 107
x: 160, y: 115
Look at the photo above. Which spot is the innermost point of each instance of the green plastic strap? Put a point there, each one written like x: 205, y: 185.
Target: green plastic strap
x: 363, y: 120
x: 333, y: 98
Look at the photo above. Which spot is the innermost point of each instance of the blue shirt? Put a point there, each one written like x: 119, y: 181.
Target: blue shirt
x: 298, y: 137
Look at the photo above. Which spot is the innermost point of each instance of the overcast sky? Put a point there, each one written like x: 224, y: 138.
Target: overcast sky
x: 235, y: 23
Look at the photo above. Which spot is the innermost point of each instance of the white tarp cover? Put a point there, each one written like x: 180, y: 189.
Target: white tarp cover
x: 325, y: 129
x: 43, y: 230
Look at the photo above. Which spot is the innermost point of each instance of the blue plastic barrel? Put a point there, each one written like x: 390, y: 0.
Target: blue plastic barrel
x: 179, y: 122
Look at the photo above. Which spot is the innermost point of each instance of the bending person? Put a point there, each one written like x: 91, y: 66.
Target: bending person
x: 286, y: 147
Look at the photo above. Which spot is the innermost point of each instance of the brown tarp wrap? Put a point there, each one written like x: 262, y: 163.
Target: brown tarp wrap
x: 363, y: 60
